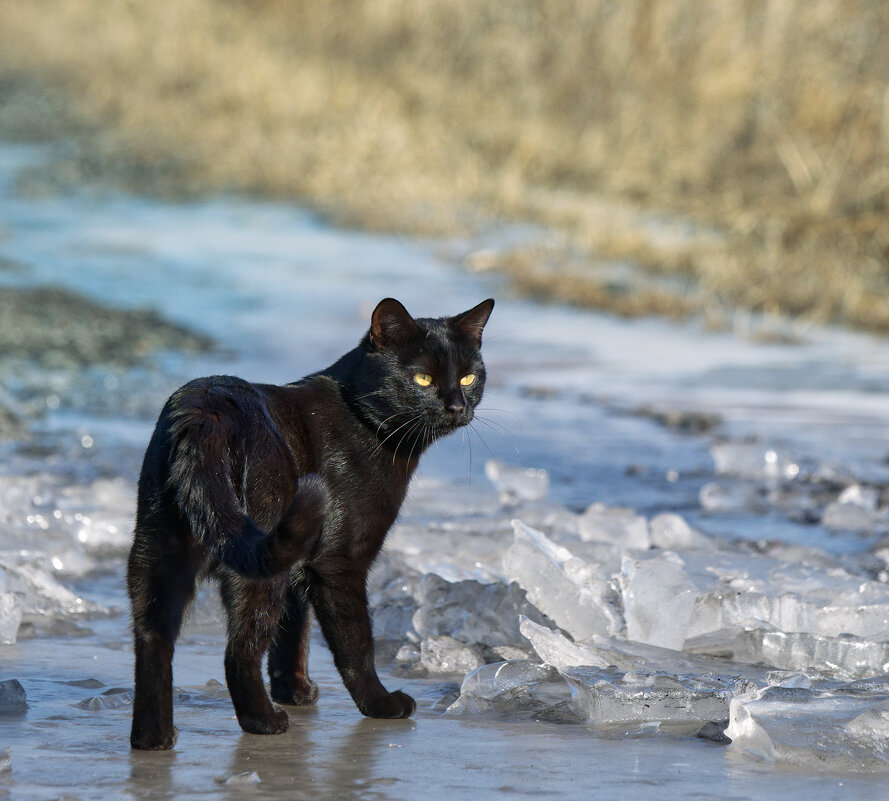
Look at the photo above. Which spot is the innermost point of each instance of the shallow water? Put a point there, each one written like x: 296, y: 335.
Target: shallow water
x: 570, y: 392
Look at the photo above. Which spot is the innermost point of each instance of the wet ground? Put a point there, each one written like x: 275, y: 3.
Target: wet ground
x: 775, y: 454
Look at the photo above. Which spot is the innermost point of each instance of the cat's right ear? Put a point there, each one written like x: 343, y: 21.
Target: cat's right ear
x: 390, y: 324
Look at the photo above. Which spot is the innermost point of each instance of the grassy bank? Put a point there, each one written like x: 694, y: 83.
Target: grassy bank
x: 765, y: 122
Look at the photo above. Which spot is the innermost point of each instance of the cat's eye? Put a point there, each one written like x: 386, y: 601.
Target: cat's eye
x: 423, y: 379
x: 468, y: 380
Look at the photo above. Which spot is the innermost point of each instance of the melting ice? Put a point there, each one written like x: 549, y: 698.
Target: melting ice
x: 634, y: 626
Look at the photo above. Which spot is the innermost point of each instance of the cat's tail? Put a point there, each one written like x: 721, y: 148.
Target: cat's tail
x: 200, y: 477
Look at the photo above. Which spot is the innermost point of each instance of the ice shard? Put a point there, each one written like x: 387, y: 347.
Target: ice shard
x: 566, y: 589
x: 658, y: 600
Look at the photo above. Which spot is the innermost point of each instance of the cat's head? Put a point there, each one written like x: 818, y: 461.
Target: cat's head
x: 430, y: 370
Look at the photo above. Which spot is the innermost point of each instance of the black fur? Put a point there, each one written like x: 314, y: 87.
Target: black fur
x: 285, y: 493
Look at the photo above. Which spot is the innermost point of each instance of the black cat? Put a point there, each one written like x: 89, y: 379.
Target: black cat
x: 285, y: 494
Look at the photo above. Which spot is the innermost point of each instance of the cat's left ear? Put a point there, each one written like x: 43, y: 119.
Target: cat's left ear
x: 471, y: 323
x: 391, y: 324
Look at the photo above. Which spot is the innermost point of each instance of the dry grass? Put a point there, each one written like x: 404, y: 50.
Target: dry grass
x: 766, y: 120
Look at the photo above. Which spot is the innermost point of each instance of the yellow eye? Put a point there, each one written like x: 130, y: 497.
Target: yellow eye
x: 423, y: 379
x: 468, y: 380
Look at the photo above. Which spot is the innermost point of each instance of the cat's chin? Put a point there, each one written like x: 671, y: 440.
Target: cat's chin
x: 449, y: 426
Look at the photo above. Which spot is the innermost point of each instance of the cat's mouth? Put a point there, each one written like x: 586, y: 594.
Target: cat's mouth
x: 454, y: 420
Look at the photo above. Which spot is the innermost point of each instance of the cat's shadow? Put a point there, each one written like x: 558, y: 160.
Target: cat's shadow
x: 311, y: 755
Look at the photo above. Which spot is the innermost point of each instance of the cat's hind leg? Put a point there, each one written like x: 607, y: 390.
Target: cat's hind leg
x: 161, y: 578
x: 254, y: 609
x: 289, y: 653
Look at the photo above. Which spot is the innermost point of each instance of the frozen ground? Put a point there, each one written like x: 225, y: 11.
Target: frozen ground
x: 653, y: 532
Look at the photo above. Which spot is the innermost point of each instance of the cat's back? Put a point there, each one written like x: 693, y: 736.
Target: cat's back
x: 213, y: 405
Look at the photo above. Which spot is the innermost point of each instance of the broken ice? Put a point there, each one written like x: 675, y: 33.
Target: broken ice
x: 470, y: 611
x: 516, y: 484
x: 10, y: 618
x: 658, y: 599
x: 614, y: 525
x: 572, y: 593
x: 246, y: 778
x: 753, y: 460
x: 856, y: 509
x: 37, y: 592
x: 838, y: 728
x: 612, y: 687
x: 114, y: 698
x: 446, y: 655
x: 513, y: 688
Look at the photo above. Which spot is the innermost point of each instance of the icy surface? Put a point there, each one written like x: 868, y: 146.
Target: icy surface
x: 603, y: 566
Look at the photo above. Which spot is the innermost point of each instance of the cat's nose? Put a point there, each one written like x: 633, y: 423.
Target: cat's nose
x: 454, y: 402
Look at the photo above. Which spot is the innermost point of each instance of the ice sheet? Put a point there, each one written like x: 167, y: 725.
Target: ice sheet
x: 755, y: 549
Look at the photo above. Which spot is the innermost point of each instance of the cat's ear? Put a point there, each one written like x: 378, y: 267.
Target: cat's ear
x: 471, y: 323
x: 390, y: 324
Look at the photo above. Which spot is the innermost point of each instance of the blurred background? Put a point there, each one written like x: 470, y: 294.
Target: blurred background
x: 735, y: 154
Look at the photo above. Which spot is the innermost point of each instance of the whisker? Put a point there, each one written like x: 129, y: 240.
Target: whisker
x: 369, y: 394
x: 503, y: 433
x: 407, y: 433
x: 483, y: 441
x: 387, y: 420
x: 469, y: 440
x: 494, y: 425
x: 416, y: 440
x: 391, y: 434
x: 500, y: 411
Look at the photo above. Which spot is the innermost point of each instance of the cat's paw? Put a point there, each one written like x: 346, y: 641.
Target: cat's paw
x: 156, y: 740
x: 299, y: 692
x: 275, y: 723
x: 393, y: 705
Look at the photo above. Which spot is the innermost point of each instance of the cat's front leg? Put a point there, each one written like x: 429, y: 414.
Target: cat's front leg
x: 338, y: 596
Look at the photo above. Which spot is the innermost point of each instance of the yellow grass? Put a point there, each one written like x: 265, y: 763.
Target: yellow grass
x: 766, y: 121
